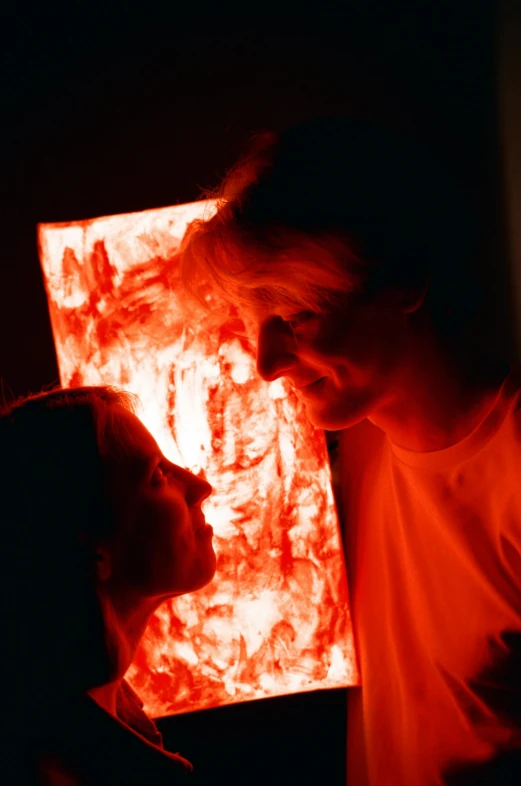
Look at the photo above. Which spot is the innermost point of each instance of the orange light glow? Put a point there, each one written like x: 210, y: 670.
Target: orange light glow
x: 275, y: 619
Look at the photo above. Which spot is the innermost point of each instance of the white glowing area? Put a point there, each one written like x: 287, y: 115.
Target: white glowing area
x: 275, y: 620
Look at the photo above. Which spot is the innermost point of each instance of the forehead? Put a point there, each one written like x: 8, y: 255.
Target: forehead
x: 129, y: 443
x: 260, y: 305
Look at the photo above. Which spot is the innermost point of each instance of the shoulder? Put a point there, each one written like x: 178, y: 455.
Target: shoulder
x: 53, y: 772
x: 508, y: 404
x: 130, y: 711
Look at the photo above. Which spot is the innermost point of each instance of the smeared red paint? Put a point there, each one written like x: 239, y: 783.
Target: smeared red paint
x: 275, y: 619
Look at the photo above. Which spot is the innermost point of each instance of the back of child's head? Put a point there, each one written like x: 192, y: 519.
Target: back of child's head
x: 52, y: 504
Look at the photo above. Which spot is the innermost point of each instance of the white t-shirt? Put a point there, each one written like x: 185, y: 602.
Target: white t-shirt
x: 433, y: 545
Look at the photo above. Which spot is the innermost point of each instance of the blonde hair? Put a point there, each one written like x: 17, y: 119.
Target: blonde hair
x: 330, y: 208
x: 249, y: 263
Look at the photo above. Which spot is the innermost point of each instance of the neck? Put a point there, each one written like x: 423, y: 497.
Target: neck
x: 127, y: 625
x: 439, y: 397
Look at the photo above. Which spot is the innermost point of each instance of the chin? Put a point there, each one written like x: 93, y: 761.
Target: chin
x: 191, y: 581
x: 334, y: 419
x: 205, y: 576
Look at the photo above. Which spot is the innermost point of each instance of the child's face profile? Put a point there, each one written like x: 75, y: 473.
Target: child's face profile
x: 162, y: 546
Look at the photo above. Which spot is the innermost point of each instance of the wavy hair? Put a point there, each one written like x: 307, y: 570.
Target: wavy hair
x: 331, y: 207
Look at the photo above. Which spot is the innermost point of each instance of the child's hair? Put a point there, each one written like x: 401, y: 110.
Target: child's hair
x: 52, y: 504
x: 335, y: 206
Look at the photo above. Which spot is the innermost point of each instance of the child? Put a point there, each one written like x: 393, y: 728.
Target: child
x: 98, y: 529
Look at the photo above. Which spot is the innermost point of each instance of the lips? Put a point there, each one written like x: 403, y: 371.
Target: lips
x: 199, y: 523
x: 311, y: 386
x: 206, y: 530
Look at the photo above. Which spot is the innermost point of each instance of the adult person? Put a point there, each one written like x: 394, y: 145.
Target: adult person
x: 349, y: 252
x: 98, y: 529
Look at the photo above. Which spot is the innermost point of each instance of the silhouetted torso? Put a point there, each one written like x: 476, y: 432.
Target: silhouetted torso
x: 83, y: 745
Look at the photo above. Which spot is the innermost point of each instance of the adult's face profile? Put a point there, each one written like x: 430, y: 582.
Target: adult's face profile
x: 161, y: 546
x: 339, y: 210
x: 343, y: 364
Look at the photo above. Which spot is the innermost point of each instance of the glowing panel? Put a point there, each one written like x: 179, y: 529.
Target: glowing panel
x: 275, y: 619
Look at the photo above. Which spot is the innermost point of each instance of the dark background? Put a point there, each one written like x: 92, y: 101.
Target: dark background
x: 112, y: 108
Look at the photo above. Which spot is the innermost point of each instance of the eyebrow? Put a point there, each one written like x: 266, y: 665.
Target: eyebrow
x: 139, y: 466
x: 148, y: 464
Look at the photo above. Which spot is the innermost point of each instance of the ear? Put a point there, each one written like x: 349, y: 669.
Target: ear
x: 412, y: 299
x: 101, y: 555
x: 103, y: 564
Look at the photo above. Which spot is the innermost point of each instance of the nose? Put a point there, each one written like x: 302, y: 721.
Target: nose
x: 275, y: 349
x: 198, y: 489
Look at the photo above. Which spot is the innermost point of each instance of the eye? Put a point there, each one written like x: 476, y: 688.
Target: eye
x: 295, y: 320
x: 159, y: 476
